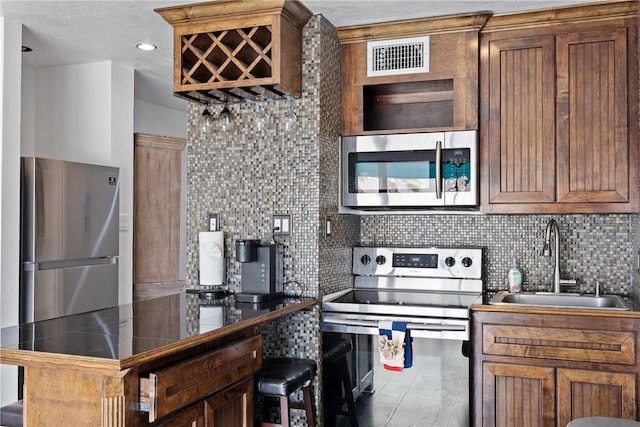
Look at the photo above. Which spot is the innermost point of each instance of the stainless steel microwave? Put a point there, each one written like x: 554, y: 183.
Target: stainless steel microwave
x: 410, y: 171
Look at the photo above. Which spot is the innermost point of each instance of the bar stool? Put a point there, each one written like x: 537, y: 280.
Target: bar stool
x: 11, y: 415
x: 336, y: 383
x: 602, y: 422
x: 279, y: 377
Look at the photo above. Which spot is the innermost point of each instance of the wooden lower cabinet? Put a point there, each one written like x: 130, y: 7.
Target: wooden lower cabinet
x: 546, y: 369
x: 589, y: 393
x: 516, y: 395
x: 233, y: 407
x: 229, y: 408
x: 192, y: 417
x: 219, y: 383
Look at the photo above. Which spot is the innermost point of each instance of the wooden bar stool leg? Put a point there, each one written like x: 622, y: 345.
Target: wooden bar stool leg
x: 308, y: 406
x: 284, y: 411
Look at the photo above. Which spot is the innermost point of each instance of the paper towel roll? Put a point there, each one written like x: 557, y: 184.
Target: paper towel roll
x: 211, y: 317
x: 211, y: 258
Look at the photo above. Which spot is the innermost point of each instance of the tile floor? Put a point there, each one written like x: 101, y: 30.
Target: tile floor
x: 433, y: 393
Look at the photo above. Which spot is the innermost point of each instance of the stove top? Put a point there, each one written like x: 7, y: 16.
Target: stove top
x: 403, y: 303
x: 430, y: 289
x: 446, y: 299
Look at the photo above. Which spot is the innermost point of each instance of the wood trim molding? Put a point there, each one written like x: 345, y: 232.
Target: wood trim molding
x: 563, y: 15
x: 223, y: 10
x: 413, y: 27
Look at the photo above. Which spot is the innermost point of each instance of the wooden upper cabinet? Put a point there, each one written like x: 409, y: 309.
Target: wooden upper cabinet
x: 559, y: 115
x: 520, y: 131
x: 442, y: 97
x: 231, y: 51
x: 593, y: 145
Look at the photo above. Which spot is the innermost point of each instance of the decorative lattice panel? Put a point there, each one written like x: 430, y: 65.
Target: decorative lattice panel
x: 230, y: 55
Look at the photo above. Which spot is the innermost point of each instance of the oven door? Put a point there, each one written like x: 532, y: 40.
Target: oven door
x: 419, y: 327
x: 410, y: 170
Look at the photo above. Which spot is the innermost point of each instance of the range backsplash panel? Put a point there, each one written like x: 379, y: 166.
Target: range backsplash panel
x: 593, y: 248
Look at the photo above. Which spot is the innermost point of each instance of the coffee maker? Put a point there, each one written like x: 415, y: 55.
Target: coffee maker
x: 262, y: 271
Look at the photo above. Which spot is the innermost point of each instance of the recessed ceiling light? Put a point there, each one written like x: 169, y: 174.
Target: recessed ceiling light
x: 146, y: 46
x: 26, y: 49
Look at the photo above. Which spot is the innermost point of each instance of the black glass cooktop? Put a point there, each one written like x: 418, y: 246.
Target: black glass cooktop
x: 408, y: 298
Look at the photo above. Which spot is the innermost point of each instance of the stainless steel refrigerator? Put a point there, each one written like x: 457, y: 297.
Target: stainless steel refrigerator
x: 69, y: 238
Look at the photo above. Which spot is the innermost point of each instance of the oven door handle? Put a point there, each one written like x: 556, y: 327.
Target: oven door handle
x: 415, y: 326
x: 438, y: 169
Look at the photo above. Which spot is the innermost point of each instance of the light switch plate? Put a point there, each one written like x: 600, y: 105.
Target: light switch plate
x: 281, y: 225
x: 214, y: 221
x: 123, y: 222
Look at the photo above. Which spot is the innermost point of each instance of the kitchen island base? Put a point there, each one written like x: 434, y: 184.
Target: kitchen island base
x: 142, y: 365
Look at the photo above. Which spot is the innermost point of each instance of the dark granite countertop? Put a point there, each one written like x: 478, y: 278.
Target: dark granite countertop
x: 131, y: 331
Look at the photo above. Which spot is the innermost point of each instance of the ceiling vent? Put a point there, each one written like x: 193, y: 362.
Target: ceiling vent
x: 398, y: 56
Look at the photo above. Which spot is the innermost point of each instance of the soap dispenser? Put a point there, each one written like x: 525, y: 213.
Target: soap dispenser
x: 515, y: 278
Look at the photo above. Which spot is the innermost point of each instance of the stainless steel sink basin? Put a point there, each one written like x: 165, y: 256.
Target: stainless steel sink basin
x: 547, y: 299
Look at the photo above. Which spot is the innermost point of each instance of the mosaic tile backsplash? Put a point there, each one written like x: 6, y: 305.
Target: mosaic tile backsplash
x: 593, y: 248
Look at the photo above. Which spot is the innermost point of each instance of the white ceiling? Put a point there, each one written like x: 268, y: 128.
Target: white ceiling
x: 75, y: 32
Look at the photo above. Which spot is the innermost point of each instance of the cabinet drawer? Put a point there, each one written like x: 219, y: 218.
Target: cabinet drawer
x: 556, y: 343
x: 184, y: 383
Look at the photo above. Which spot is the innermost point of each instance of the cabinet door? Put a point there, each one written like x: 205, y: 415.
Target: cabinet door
x: 157, y: 208
x: 594, y: 158
x: 518, y: 395
x: 519, y: 148
x: 192, y: 417
x: 585, y: 393
x: 232, y: 407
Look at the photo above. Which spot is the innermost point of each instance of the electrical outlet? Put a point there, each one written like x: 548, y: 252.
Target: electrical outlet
x: 281, y: 225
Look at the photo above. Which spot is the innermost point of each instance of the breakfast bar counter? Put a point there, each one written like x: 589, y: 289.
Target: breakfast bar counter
x: 174, y: 359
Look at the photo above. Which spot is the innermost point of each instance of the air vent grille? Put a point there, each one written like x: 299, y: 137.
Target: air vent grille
x: 398, y: 56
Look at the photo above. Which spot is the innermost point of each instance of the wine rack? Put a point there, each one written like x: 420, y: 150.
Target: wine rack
x: 237, y: 51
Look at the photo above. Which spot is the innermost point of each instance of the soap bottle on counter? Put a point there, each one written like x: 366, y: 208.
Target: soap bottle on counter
x: 515, y: 278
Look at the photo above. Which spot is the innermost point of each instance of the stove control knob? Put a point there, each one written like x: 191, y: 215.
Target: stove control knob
x: 466, y: 261
x: 365, y: 259
x: 381, y: 259
x: 449, y: 261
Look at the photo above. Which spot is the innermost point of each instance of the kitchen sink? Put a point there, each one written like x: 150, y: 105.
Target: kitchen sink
x: 548, y: 299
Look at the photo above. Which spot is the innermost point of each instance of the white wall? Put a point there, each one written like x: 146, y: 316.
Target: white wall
x: 10, y: 81
x: 84, y: 113
x: 158, y: 120
x: 121, y: 143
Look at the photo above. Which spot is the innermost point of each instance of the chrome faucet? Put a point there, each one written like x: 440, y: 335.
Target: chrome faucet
x: 546, y: 251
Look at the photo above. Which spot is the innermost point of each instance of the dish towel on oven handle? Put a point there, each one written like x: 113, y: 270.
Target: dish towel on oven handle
x: 394, y: 345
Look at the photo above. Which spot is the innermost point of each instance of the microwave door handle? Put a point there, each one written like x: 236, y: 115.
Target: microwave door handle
x: 438, y: 169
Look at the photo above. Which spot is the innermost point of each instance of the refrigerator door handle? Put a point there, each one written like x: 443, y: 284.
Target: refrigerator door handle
x: 54, y: 265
